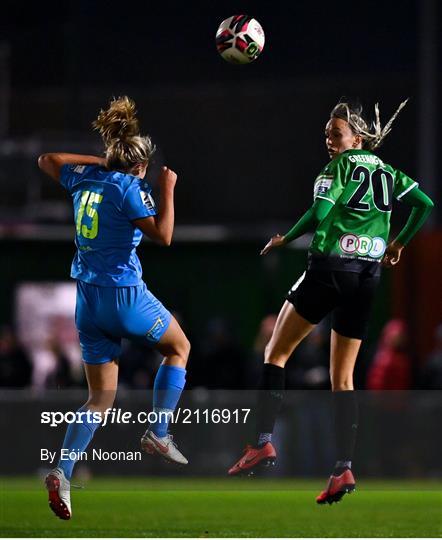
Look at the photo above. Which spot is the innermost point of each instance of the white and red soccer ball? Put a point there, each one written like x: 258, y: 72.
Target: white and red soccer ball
x: 240, y: 39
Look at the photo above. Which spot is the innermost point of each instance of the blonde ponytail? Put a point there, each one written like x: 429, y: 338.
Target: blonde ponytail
x: 119, y: 129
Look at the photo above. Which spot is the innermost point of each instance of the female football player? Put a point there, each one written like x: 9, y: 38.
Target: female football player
x: 350, y: 217
x: 113, y: 207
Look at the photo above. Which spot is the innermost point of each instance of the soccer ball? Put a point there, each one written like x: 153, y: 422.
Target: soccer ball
x: 240, y: 39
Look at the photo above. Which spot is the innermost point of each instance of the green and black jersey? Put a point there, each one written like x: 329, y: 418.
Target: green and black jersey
x: 361, y: 187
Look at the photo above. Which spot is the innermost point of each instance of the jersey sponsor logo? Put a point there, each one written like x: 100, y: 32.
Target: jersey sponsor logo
x: 147, y: 200
x: 79, y: 169
x: 378, y: 247
x: 349, y: 243
x: 362, y: 245
x: 364, y: 158
x: 322, y: 185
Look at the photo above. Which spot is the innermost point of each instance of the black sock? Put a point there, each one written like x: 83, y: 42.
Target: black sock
x: 346, y: 415
x: 270, y: 396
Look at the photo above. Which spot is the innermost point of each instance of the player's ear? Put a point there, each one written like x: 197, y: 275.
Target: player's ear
x: 357, y: 141
x: 137, y: 170
x: 141, y: 169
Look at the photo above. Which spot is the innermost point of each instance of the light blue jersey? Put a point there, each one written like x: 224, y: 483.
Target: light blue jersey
x: 105, y: 204
x: 112, y: 300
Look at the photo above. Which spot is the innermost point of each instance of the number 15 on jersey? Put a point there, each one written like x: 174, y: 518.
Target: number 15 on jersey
x: 88, y: 209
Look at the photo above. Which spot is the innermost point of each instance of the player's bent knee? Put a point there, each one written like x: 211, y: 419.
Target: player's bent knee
x: 342, y: 385
x: 101, y: 402
x: 181, y: 349
x: 185, y: 349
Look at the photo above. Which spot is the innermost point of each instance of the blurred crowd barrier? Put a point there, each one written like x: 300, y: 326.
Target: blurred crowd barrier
x: 44, y: 352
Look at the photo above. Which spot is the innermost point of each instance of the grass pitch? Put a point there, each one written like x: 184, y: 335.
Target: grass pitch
x: 177, y: 507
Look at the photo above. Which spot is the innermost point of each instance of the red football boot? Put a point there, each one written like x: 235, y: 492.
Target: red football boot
x: 337, y: 487
x: 254, y: 457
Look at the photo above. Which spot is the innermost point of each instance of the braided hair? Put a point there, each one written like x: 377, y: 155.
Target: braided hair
x: 372, y: 136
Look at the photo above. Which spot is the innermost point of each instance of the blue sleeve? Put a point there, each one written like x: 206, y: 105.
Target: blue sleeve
x: 66, y: 176
x: 138, y: 202
x: 69, y: 174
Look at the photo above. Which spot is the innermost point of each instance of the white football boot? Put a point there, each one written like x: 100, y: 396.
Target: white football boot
x: 163, y: 446
x: 59, y: 490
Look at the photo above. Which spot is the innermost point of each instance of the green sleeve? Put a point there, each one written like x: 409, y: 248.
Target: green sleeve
x: 422, y: 206
x: 331, y: 182
x: 310, y: 219
x: 403, y: 184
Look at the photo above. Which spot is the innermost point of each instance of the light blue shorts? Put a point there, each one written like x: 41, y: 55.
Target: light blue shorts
x: 105, y: 315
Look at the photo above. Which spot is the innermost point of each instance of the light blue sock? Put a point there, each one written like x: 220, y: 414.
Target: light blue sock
x: 78, y: 436
x: 167, y: 388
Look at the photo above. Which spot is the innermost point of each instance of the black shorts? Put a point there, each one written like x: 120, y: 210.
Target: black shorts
x: 347, y: 295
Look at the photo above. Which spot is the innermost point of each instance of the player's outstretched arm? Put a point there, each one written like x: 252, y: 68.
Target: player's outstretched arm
x: 52, y: 163
x: 160, y: 227
x: 308, y: 222
x: 422, y: 206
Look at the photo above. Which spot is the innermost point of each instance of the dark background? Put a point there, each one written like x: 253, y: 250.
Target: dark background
x: 246, y: 141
